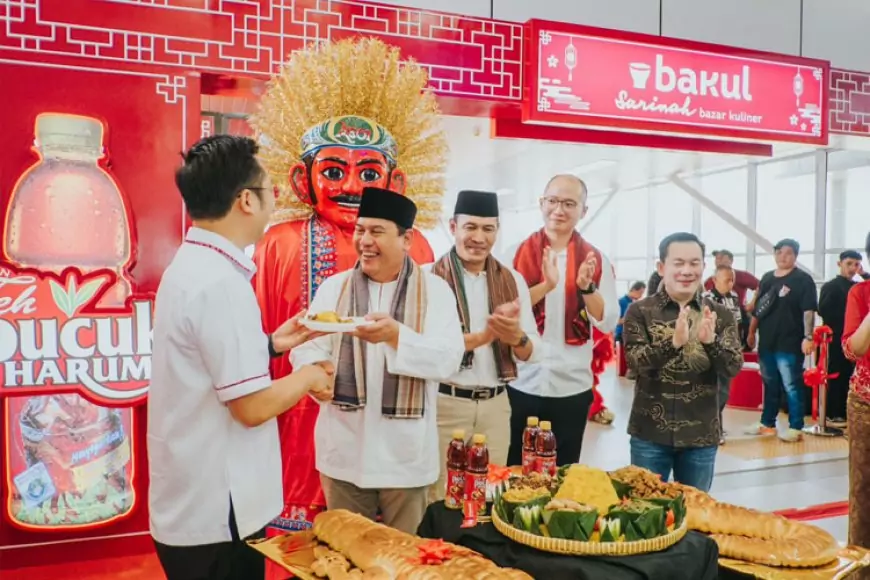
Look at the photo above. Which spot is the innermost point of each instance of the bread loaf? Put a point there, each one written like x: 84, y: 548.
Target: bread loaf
x: 384, y: 553
x: 759, y: 537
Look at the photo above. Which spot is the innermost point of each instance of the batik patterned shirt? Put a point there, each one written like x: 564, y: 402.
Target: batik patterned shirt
x: 676, y: 399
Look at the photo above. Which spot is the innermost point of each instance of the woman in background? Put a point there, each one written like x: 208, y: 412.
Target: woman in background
x: 856, y: 347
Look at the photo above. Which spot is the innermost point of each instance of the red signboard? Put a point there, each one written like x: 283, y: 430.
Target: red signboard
x: 586, y: 76
x: 55, y: 338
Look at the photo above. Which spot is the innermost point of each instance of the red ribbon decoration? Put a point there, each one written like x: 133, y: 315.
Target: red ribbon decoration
x: 816, y: 377
x: 497, y: 474
x: 434, y: 552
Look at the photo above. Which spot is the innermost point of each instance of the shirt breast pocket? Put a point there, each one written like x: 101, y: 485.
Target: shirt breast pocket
x: 404, y: 439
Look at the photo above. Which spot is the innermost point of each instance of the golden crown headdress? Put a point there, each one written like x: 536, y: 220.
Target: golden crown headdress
x: 362, y: 77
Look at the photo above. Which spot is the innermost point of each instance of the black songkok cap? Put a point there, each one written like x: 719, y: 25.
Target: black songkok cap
x: 477, y: 203
x: 387, y: 205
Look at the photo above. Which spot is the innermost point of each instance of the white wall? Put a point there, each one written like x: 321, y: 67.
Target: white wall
x: 834, y: 30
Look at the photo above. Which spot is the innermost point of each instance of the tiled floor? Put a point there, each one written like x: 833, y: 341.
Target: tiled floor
x: 754, y: 472
x: 761, y: 473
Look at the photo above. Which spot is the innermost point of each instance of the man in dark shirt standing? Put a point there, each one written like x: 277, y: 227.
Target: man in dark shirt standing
x: 634, y: 294
x: 743, y: 280
x: 679, y: 344
x: 832, y: 309
x: 723, y: 293
x: 784, y: 316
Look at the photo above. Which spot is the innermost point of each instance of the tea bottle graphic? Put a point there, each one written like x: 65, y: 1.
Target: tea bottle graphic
x: 66, y: 209
x: 70, y: 460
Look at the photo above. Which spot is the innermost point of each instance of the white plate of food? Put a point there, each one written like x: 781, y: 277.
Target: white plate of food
x: 332, y: 322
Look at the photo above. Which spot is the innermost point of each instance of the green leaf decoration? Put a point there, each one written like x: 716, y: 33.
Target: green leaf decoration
x: 61, y: 298
x: 86, y: 292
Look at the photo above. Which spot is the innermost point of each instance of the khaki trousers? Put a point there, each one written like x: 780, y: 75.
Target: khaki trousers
x: 492, y: 417
x: 401, y: 508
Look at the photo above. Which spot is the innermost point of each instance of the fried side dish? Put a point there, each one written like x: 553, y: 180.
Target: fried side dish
x: 329, y: 317
x: 741, y: 533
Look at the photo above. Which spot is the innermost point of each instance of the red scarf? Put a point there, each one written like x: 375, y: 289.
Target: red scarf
x: 529, y: 261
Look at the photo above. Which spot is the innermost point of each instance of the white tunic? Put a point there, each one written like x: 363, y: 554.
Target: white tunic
x: 363, y: 447
x: 483, y: 372
x: 564, y: 370
x: 209, y: 348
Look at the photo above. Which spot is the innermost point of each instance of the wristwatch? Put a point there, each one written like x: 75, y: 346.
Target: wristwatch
x: 524, y: 340
x: 590, y: 289
x: 272, y: 352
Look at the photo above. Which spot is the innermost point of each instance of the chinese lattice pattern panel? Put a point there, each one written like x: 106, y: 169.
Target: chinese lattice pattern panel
x: 465, y: 56
x: 850, y: 102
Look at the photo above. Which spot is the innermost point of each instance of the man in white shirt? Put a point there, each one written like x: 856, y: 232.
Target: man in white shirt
x: 573, y: 289
x: 377, y: 441
x: 214, y: 462
x: 495, y: 310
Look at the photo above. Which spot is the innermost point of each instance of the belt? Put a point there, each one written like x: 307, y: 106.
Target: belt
x: 473, y: 393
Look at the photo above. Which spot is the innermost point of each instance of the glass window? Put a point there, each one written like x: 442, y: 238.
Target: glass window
x: 848, y: 201
x: 597, y: 227
x: 630, y: 210
x: 673, y: 211
x: 631, y: 271
x: 764, y: 262
x: 831, y: 268
x: 515, y: 226
x: 729, y: 192
x: 787, y: 202
x: 710, y: 269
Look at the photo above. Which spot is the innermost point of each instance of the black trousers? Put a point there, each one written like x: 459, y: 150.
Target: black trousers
x: 838, y: 388
x: 233, y: 560
x: 567, y: 414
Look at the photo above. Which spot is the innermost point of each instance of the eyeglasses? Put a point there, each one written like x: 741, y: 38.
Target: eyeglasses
x: 554, y: 202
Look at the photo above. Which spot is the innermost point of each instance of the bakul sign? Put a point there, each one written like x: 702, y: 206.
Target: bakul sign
x: 55, y: 338
x: 588, y: 76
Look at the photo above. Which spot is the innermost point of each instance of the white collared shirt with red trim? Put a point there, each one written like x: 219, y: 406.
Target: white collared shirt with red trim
x: 209, y: 348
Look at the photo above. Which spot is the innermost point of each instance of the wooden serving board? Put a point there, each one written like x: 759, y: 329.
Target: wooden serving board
x: 271, y: 549
x: 851, y: 559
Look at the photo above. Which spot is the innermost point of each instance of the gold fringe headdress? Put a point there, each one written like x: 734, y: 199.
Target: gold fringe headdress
x: 361, y: 77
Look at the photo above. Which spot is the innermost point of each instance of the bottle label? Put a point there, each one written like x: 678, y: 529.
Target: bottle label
x: 475, y: 490
x: 455, y: 493
x: 547, y: 465
x: 529, y: 461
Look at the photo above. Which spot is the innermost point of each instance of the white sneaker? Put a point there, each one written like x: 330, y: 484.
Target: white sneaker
x: 791, y: 436
x: 760, y: 429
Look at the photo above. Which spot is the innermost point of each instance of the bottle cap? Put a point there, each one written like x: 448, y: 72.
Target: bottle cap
x: 459, y: 434
x: 479, y: 439
x: 69, y: 133
x: 532, y: 421
x: 546, y: 426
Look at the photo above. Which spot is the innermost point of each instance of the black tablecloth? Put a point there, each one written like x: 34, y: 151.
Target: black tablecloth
x: 693, y: 558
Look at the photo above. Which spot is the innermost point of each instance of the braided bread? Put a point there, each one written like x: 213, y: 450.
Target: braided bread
x: 384, y: 553
x: 760, y: 537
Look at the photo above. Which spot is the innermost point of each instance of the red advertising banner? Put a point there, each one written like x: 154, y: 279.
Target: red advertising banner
x: 586, y: 76
x: 55, y: 337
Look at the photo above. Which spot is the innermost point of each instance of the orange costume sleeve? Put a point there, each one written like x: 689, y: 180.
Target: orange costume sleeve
x: 292, y: 259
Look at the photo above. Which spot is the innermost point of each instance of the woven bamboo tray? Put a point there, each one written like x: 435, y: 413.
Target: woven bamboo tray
x: 575, y: 548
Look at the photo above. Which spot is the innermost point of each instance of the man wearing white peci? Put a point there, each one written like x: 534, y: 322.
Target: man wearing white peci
x: 377, y: 441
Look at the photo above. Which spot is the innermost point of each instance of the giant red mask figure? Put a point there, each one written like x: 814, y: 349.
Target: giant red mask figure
x: 322, y: 163
x: 341, y: 157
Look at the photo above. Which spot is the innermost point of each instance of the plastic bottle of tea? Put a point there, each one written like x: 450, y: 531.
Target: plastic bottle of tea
x: 530, y: 435
x: 476, y: 470
x: 545, y: 449
x: 456, y: 462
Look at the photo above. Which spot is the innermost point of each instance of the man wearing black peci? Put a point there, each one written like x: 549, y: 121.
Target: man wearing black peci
x: 832, y: 309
